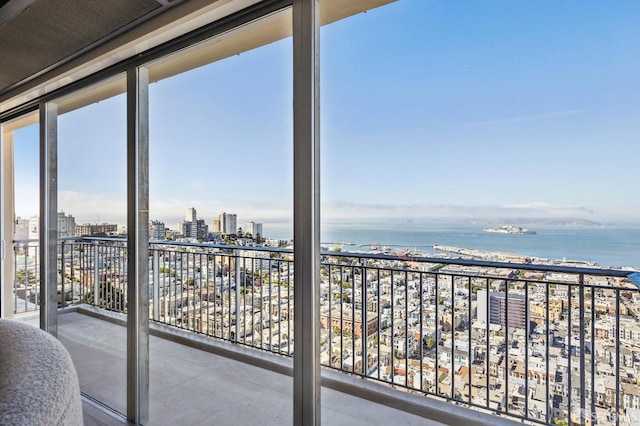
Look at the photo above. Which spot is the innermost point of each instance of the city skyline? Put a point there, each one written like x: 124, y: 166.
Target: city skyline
x: 467, y: 226
x: 430, y: 110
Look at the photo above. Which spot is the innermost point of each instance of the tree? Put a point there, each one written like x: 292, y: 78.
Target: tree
x: 24, y: 275
x: 429, y: 342
x: 109, y: 297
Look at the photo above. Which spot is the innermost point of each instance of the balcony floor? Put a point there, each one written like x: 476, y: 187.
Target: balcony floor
x: 189, y: 386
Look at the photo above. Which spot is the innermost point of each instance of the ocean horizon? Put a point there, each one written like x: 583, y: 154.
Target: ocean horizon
x: 608, y: 245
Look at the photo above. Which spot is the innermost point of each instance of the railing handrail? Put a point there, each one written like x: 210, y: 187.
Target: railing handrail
x: 632, y: 274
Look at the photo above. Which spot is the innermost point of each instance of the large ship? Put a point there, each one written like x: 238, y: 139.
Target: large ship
x: 509, y: 229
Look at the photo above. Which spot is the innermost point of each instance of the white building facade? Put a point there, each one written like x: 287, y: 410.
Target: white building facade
x: 252, y: 228
x: 66, y: 225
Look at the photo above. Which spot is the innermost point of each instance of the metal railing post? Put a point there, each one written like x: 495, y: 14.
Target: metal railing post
x: 617, y: 363
x: 96, y: 275
x: 156, y: 286
x: 238, y: 284
x: 62, y: 277
x: 36, y: 285
x: 365, y: 316
x: 583, y: 380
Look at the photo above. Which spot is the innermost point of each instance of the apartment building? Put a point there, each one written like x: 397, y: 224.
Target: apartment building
x: 191, y: 226
x: 91, y: 229
x: 498, y: 308
x: 157, y: 230
x: 253, y: 228
x: 225, y: 223
x: 66, y: 225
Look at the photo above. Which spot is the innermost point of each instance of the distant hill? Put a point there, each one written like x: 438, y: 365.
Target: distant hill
x: 535, y: 222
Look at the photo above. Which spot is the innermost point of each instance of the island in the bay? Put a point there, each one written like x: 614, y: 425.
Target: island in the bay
x: 509, y: 229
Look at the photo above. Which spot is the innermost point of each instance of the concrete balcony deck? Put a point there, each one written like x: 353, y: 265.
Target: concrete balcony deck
x: 190, y: 386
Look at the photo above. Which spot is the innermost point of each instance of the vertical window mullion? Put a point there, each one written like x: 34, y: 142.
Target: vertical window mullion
x: 138, y: 245
x: 48, y: 216
x: 306, y: 211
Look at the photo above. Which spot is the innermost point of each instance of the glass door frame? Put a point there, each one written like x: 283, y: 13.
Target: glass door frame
x: 306, y: 148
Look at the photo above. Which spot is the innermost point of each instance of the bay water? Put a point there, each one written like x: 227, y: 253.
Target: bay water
x: 613, y: 246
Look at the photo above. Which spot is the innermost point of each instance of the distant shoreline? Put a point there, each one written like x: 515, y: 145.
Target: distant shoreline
x: 609, y: 246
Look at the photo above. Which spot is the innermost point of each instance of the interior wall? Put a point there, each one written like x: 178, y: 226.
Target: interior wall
x: 6, y: 224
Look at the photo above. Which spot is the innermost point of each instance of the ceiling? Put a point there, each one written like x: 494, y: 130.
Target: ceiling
x: 48, y: 44
x: 39, y: 35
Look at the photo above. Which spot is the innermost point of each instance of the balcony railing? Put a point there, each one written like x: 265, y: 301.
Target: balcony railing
x: 539, y: 343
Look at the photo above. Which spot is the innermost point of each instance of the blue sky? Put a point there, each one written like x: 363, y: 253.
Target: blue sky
x: 430, y: 109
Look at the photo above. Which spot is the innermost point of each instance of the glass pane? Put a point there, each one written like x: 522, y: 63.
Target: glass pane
x: 220, y: 203
x: 24, y: 258
x: 459, y: 135
x: 92, y: 245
